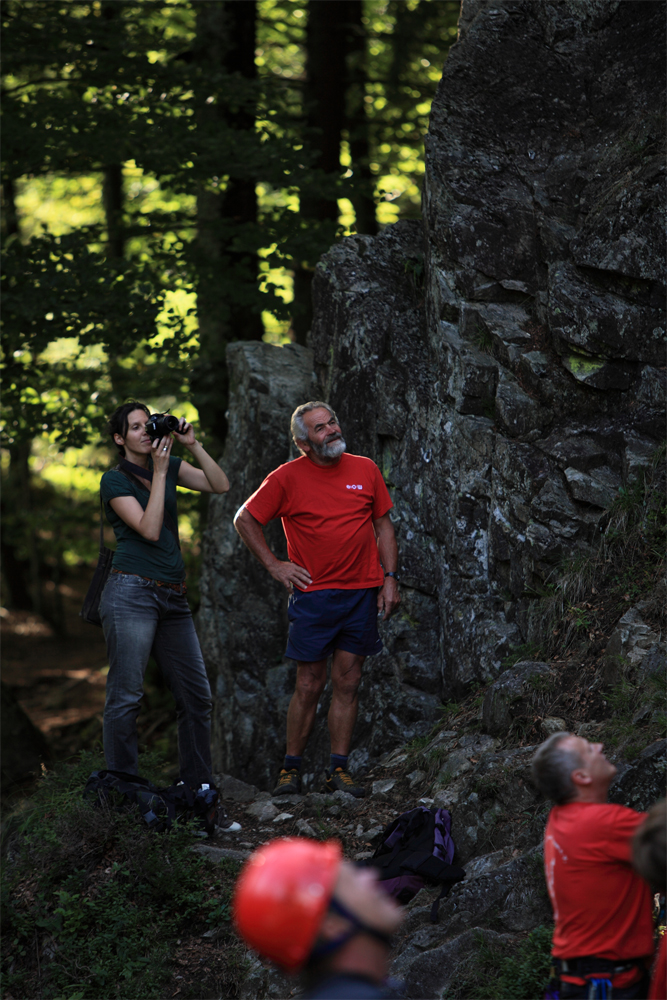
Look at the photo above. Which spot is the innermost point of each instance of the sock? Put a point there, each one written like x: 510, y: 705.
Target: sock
x: 292, y: 762
x: 337, y: 760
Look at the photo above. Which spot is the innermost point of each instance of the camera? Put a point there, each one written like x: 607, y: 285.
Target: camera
x: 159, y: 425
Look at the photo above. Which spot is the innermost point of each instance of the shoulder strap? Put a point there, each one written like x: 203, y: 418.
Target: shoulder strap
x: 102, y: 545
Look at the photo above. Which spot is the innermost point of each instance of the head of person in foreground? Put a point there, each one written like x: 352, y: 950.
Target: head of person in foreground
x: 567, y: 768
x: 299, y: 904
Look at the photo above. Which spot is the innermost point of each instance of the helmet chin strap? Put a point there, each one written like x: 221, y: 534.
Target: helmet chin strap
x: 358, y: 927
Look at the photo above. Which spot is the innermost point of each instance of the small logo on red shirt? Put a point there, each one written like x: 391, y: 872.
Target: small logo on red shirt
x: 354, y: 487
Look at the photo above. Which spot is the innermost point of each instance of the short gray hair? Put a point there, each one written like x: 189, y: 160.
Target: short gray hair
x: 552, y: 767
x: 297, y: 426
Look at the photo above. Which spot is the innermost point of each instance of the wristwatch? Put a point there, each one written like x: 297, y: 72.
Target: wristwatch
x: 395, y: 576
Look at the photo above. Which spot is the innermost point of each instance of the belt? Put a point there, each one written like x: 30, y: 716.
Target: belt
x: 178, y: 588
x: 589, y: 964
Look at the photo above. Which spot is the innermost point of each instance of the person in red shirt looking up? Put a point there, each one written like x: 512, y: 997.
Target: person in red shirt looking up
x: 341, y: 574
x: 603, y: 935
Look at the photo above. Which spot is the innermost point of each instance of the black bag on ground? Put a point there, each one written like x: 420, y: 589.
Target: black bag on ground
x: 416, y: 850
x: 159, y: 807
x: 90, y: 610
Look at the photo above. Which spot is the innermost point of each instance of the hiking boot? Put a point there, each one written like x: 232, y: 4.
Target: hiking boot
x: 289, y: 782
x: 343, y: 781
x: 224, y: 824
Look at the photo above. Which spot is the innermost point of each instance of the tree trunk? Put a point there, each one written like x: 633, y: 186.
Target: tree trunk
x: 357, y: 122
x: 10, y: 221
x: 113, y: 201
x: 327, y: 46
x: 21, y: 573
x: 227, y: 278
x: 112, y: 185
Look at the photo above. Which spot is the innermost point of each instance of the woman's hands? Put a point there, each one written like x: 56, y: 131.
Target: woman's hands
x: 185, y: 433
x: 160, y: 452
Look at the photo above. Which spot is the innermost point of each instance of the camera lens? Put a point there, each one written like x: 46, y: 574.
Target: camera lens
x: 159, y: 425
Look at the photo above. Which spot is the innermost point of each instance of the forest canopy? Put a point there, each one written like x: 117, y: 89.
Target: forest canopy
x: 171, y: 172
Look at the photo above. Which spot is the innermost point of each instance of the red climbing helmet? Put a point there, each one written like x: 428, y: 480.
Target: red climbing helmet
x: 281, y: 896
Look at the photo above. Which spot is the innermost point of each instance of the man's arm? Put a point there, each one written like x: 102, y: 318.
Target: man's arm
x: 287, y: 573
x: 388, y: 597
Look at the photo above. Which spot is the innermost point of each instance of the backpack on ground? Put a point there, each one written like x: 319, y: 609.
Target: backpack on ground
x: 417, y: 850
x: 159, y: 807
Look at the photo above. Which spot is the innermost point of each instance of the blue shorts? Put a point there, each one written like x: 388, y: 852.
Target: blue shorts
x: 324, y: 620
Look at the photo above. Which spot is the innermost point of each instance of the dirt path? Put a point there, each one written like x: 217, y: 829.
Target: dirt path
x: 60, y: 679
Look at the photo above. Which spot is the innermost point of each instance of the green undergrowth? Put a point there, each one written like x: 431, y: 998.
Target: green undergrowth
x: 638, y: 715
x: 627, y: 565
x: 525, y: 651
x: 95, y: 905
x: 490, y: 971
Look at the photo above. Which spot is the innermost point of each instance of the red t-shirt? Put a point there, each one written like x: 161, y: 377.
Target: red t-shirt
x: 328, y: 513
x: 601, y: 906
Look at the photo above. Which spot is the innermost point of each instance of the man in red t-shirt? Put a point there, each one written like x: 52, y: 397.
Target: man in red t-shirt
x: 603, y: 933
x: 340, y: 573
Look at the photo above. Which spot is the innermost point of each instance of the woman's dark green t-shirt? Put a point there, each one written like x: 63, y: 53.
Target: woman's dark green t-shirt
x: 159, y: 560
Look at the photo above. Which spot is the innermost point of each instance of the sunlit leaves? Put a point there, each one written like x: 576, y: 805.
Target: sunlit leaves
x: 89, y: 84
x: 68, y: 313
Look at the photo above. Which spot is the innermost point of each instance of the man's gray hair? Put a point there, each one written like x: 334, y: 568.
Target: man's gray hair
x: 297, y: 426
x: 552, y: 767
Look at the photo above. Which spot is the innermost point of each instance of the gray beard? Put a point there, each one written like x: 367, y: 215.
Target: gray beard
x: 330, y: 449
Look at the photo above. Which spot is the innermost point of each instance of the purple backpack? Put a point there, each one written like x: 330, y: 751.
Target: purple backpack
x: 417, y: 850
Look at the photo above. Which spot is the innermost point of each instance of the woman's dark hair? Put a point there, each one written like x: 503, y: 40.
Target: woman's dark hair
x: 118, y: 421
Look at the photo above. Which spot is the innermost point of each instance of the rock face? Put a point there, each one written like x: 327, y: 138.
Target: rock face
x: 243, y: 617
x: 502, y: 362
x: 506, y: 415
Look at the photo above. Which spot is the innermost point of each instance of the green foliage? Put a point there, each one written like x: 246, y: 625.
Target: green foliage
x: 483, y: 339
x: 417, y: 744
x: 628, y: 564
x: 139, y: 300
x: 83, y: 311
x: 101, y: 899
x: 414, y: 268
x: 450, y: 708
x: 491, y: 972
x: 487, y: 786
x: 525, y: 651
x: 625, y: 700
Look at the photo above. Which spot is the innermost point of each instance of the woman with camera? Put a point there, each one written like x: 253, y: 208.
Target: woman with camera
x: 143, y: 608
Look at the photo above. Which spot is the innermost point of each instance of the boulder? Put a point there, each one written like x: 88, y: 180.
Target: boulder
x: 632, y: 639
x: 643, y: 783
x: 430, y: 973
x: 263, y: 811
x: 513, y: 897
x: 552, y: 724
x: 382, y: 788
x: 234, y: 790
x: 506, y: 395
x: 504, y: 694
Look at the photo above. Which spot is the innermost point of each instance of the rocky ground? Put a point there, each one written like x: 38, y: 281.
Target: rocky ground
x: 497, y: 815
x: 475, y: 762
